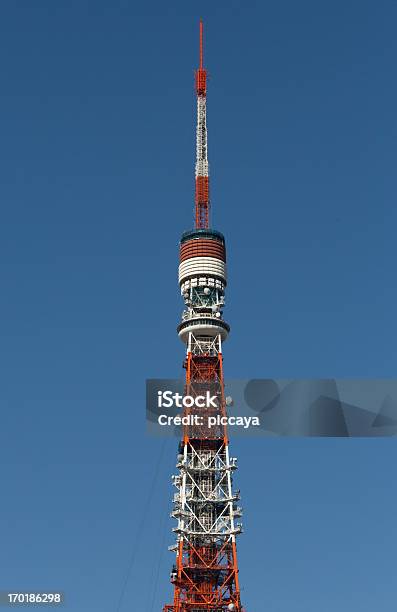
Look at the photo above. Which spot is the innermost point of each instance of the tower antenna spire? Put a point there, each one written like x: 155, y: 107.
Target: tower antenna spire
x: 202, y: 176
x: 201, y: 44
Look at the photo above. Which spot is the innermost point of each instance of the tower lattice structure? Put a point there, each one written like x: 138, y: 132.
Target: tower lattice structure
x: 205, y: 574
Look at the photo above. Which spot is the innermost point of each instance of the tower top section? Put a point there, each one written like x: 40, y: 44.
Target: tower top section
x: 202, y: 198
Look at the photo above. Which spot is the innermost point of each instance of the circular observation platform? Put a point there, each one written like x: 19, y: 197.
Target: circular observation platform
x: 202, y: 325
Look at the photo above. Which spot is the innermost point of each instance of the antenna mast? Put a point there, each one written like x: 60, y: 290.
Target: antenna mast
x: 202, y: 180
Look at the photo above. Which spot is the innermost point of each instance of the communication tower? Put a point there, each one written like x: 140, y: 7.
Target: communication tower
x: 205, y: 573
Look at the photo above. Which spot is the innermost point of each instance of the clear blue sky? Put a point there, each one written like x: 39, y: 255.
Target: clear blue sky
x: 96, y: 185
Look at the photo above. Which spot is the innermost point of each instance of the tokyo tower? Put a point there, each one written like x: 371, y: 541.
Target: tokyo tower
x: 205, y: 574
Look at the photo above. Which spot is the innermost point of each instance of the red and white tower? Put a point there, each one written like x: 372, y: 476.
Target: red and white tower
x: 205, y: 574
